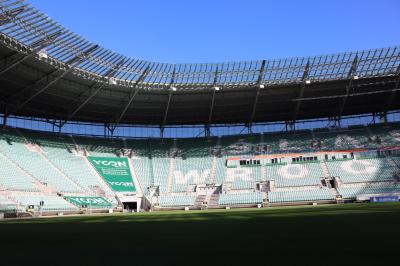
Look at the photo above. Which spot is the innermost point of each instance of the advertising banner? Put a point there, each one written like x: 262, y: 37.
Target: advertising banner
x: 385, y: 199
x: 89, y: 201
x: 115, y: 171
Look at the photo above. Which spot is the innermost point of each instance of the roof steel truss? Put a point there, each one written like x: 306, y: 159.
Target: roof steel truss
x: 25, y: 24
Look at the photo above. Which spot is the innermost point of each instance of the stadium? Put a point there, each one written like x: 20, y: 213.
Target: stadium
x: 270, y: 143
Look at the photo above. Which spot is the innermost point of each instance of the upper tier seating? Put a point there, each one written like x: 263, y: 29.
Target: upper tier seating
x: 97, y: 147
x: 288, y: 142
x: 386, y: 135
x: 344, y: 139
x: 236, y: 145
x: 140, y: 148
x: 196, y: 148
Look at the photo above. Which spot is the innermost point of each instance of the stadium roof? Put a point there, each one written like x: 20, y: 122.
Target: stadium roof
x: 50, y: 72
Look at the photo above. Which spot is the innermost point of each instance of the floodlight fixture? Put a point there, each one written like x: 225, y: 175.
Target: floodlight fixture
x: 113, y: 81
x: 42, y: 54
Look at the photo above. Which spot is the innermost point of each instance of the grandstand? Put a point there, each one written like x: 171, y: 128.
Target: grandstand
x: 51, y: 76
x: 51, y: 167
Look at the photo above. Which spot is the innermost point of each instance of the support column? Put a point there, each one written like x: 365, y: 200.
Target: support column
x: 207, y: 131
x: 161, y: 132
x: 5, y: 116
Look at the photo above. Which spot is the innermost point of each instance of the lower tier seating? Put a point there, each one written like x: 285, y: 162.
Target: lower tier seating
x: 240, y: 198
x: 364, y: 170
x: 353, y: 192
x: 51, y: 203
x: 176, y: 200
x: 301, y: 195
x: 292, y: 175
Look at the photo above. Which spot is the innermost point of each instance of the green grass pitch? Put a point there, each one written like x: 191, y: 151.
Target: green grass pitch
x: 350, y: 234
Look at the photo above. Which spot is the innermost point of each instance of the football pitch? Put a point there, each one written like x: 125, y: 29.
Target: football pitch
x: 349, y: 234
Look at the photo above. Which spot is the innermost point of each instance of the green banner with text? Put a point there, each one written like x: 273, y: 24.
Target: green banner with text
x: 115, y: 171
x: 89, y: 201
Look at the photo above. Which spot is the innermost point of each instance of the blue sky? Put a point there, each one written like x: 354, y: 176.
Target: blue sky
x: 179, y: 31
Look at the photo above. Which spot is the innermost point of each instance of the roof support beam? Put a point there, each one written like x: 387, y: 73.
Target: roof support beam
x: 9, y: 15
x: 5, y: 115
x: 107, y: 77
x: 210, y: 113
x: 211, y: 107
x: 350, y: 77
x: 132, y: 94
x: 301, y: 93
x: 394, y: 92
x: 75, y: 61
x: 39, y: 46
x: 168, y: 102
x: 93, y: 92
x: 343, y: 95
x: 259, y: 79
x: 166, y: 110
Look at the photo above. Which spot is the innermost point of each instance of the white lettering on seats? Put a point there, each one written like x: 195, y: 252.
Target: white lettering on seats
x: 191, y: 176
x: 293, y: 171
x: 358, y: 167
x: 245, y: 174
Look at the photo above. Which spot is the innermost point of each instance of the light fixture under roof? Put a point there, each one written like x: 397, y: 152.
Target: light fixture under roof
x: 217, y: 88
x: 113, y: 81
x: 262, y: 86
x: 42, y: 54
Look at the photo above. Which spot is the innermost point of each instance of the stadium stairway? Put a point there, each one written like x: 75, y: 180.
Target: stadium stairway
x: 213, y: 200
x: 263, y: 173
x: 48, y: 188
x: 198, y: 203
x: 43, y: 155
x: 172, y: 163
x: 328, y: 178
x: 213, y: 170
x: 139, y: 189
x: 79, y: 186
x: 325, y: 169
